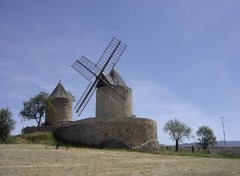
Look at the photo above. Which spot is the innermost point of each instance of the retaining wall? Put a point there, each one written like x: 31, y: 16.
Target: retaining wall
x: 28, y: 130
x: 118, y: 132
x: 34, y: 129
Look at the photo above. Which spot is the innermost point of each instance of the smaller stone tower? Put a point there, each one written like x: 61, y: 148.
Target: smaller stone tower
x: 62, y: 103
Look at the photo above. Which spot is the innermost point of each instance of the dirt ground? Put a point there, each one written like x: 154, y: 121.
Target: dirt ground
x: 29, y: 159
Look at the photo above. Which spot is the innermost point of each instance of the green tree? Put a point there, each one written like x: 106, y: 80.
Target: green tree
x: 206, y: 137
x: 7, y: 124
x: 36, y: 107
x: 177, y: 131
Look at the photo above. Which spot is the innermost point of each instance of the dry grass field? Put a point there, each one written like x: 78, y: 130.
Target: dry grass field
x: 34, y: 159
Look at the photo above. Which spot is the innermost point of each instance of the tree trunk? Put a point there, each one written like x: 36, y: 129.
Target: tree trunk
x: 39, y: 121
x: 176, y: 145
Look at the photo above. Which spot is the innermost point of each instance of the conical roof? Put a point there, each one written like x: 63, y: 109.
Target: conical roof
x: 60, y: 92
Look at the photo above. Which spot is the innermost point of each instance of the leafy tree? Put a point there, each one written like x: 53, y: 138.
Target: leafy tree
x: 206, y: 137
x: 36, y: 107
x: 177, y: 131
x: 7, y: 124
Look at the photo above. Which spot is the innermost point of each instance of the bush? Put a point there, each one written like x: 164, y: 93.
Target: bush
x: 33, y: 138
x: 39, y: 137
x: 7, y: 124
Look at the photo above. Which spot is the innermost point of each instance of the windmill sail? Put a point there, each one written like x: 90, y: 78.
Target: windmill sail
x: 83, y: 101
x: 105, y: 64
x: 118, y: 96
x: 111, y: 55
x: 86, y: 68
x: 113, y: 81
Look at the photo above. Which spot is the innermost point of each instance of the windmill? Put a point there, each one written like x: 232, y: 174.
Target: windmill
x: 102, y: 71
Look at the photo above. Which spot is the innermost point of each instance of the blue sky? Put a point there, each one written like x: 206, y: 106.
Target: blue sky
x: 182, y: 60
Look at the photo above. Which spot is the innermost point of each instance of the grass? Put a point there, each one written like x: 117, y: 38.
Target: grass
x: 36, y: 154
x: 187, y: 152
x: 39, y: 159
x: 48, y: 139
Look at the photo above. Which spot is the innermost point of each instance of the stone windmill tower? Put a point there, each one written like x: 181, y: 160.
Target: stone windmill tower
x: 107, y: 80
x: 62, y: 103
x: 106, y: 106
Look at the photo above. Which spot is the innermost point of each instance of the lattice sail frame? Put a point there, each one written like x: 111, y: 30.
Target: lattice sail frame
x: 105, y: 64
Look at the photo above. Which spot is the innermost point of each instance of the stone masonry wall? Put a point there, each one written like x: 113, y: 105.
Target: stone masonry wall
x: 107, y: 107
x: 121, y: 132
x: 28, y: 130
x: 63, y: 111
x: 33, y: 129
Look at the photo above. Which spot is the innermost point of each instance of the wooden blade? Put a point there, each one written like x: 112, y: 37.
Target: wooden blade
x: 83, y: 101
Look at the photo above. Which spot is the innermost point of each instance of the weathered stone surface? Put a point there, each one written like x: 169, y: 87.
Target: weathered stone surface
x: 152, y: 145
x: 28, y: 130
x: 62, y: 103
x: 33, y: 129
x: 107, y: 107
x: 62, y: 113
x: 122, y: 132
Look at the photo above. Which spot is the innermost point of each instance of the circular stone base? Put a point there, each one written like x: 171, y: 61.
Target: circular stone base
x: 124, y: 132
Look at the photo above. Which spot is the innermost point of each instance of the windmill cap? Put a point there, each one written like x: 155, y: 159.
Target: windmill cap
x: 115, y: 79
x: 60, y: 92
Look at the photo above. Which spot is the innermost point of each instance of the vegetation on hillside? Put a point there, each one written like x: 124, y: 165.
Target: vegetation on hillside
x: 206, y: 137
x: 7, y: 124
x: 33, y: 138
x: 36, y: 107
x: 177, y: 131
